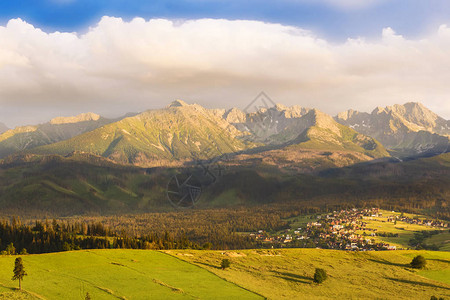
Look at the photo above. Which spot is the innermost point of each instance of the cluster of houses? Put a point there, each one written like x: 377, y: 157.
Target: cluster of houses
x: 344, y: 230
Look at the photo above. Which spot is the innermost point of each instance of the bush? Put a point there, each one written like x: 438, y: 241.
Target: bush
x: 418, y: 262
x: 320, y: 275
x: 225, y: 263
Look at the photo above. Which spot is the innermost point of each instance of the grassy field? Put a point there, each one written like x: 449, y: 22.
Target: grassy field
x: 288, y: 273
x: 404, y: 230
x: 254, y: 274
x: 441, y: 240
x: 115, y: 274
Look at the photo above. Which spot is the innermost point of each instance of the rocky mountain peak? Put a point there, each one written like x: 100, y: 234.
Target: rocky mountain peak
x: 322, y: 120
x: 235, y: 115
x: 178, y: 103
x: 417, y: 114
x: 348, y: 114
x: 75, y: 119
x: 379, y: 110
x: 280, y: 107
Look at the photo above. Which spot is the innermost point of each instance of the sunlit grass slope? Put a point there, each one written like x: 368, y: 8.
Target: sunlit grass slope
x: 116, y: 274
x: 288, y: 273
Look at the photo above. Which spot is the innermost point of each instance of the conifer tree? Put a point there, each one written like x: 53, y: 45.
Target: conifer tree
x: 19, y: 271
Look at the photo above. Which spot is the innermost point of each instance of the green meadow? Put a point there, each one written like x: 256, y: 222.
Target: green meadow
x: 405, y: 230
x: 115, y: 274
x: 288, y: 273
x: 254, y: 274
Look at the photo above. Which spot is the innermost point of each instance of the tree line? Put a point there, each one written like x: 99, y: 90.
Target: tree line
x: 45, y: 237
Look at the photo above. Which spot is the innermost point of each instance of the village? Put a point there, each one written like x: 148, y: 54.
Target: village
x: 343, y: 230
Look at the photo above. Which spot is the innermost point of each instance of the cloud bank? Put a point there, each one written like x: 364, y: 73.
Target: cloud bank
x: 117, y: 66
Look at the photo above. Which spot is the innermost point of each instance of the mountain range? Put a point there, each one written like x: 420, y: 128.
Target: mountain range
x: 183, y: 132
x: 279, y: 154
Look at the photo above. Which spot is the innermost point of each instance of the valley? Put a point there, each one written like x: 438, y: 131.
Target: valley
x: 266, y: 183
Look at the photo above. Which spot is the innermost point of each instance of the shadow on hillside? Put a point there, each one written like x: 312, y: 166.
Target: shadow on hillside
x: 418, y: 283
x: 440, y: 260
x: 385, y: 262
x: 293, y: 277
x: 208, y: 265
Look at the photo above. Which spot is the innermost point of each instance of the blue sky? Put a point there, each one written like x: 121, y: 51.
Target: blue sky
x: 411, y: 18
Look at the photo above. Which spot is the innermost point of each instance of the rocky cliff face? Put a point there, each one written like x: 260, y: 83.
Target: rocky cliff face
x: 408, y: 129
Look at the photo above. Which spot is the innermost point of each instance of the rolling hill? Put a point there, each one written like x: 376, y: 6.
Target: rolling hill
x: 288, y: 273
x: 121, y: 274
x: 254, y: 274
x: 85, y: 184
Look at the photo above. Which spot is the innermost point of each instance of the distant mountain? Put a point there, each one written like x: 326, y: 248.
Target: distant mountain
x: 408, y: 129
x: 3, y: 128
x: 58, y: 129
x: 323, y: 132
x: 304, y: 128
x: 169, y: 136
x: 85, y: 117
x: 265, y: 124
x: 182, y: 133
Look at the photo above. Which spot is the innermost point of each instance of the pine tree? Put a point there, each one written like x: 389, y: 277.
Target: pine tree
x: 19, y: 271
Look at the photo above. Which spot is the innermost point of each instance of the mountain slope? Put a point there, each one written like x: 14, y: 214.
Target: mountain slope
x: 265, y: 124
x: 168, y: 136
x: 303, y: 128
x: 281, y: 125
x: 181, y: 133
x: 58, y: 129
x: 82, y: 183
x: 321, y: 131
x: 406, y: 129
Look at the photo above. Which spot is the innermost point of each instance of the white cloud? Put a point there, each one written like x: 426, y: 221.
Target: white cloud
x: 120, y: 66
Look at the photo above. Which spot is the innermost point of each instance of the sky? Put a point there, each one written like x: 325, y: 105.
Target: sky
x: 64, y: 57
